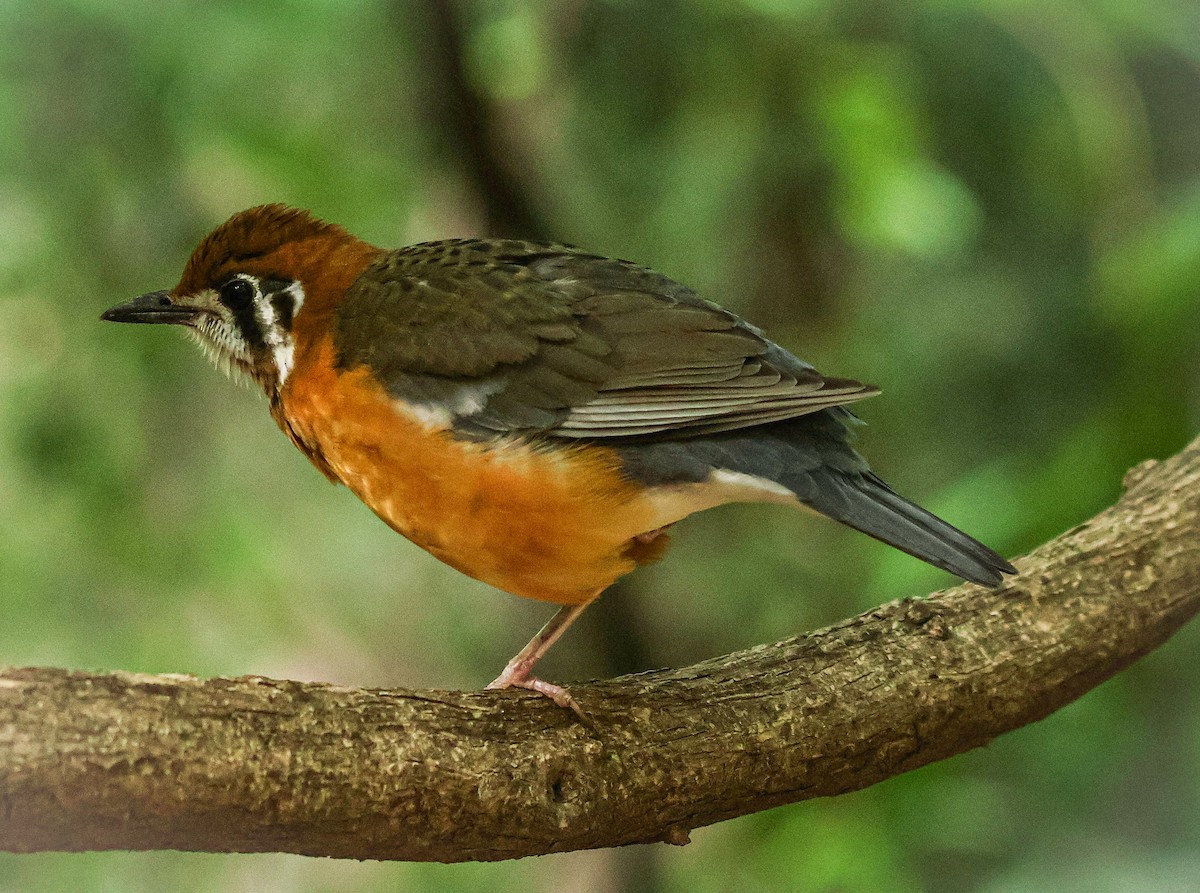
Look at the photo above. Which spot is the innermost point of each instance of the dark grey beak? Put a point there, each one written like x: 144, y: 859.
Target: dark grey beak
x: 154, y: 307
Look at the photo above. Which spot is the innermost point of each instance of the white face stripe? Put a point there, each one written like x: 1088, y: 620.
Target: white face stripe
x: 277, y: 336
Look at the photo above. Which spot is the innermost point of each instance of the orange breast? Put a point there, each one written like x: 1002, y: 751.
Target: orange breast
x: 549, y: 524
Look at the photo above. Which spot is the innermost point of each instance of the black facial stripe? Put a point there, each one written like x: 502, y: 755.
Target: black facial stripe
x: 285, y: 307
x: 239, y: 296
x: 247, y: 324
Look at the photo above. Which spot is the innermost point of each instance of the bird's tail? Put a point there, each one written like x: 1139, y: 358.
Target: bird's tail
x: 866, y: 503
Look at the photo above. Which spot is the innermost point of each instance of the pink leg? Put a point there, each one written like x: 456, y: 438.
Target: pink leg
x: 518, y: 672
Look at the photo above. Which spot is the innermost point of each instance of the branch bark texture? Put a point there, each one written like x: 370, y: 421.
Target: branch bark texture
x: 127, y: 761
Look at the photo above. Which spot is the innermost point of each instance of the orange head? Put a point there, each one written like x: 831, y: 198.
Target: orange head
x: 257, y: 288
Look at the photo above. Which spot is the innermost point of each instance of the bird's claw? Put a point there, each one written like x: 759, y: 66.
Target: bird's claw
x: 513, y: 677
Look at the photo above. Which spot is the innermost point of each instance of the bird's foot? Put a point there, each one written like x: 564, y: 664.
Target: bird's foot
x: 517, y: 675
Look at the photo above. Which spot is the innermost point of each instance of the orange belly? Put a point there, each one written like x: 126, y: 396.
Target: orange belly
x: 555, y: 524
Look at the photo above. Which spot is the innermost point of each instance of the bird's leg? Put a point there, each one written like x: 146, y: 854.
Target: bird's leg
x: 517, y: 673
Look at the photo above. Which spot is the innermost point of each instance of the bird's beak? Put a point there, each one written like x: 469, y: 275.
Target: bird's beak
x: 154, y: 307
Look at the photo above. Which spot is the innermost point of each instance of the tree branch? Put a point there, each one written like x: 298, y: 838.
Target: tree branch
x: 127, y: 761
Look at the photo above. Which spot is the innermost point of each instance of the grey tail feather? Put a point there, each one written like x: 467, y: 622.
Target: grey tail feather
x: 867, y: 504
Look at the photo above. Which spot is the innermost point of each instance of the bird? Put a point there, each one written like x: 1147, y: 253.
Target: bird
x: 534, y: 415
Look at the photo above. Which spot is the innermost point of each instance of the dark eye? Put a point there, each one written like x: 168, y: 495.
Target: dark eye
x: 236, y: 294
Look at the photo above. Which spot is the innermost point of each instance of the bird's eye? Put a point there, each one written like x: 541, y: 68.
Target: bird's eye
x: 236, y: 294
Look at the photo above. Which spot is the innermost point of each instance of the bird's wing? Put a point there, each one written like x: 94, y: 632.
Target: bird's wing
x: 508, y: 337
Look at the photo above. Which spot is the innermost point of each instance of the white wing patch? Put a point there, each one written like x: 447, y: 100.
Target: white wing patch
x: 466, y: 401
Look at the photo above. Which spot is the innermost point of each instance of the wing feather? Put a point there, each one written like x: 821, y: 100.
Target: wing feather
x: 535, y: 339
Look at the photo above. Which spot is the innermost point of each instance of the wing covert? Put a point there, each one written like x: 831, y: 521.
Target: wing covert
x: 521, y: 338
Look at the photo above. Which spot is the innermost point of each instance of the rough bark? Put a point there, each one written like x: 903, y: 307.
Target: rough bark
x: 120, y: 760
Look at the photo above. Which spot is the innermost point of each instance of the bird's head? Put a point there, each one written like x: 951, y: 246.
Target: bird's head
x: 257, y: 288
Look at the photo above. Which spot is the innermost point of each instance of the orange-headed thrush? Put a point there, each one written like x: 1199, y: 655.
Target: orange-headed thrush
x: 534, y: 415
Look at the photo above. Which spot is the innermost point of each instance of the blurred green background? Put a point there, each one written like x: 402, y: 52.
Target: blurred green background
x: 991, y: 208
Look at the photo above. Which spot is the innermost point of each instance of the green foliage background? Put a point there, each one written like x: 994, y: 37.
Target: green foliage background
x: 989, y: 207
